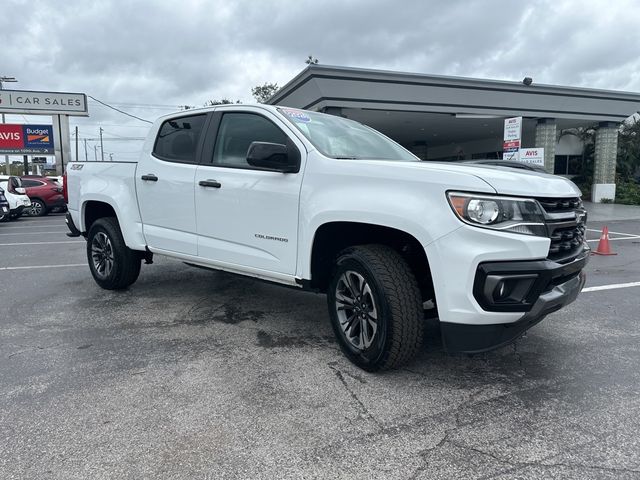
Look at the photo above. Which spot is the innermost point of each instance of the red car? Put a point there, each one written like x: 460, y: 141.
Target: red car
x: 45, y: 194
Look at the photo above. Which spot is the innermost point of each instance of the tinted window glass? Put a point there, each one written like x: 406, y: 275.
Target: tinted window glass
x: 237, y: 131
x: 31, y: 183
x: 178, y: 138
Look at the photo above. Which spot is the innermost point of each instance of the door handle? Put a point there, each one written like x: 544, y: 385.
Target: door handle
x: 209, y: 183
x: 149, y: 177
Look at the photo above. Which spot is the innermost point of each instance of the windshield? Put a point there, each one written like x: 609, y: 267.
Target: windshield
x: 337, y: 137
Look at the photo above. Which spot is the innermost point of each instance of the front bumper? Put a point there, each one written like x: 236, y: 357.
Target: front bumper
x: 549, y: 287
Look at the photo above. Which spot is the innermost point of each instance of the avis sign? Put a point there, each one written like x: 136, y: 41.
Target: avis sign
x: 532, y: 156
x: 26, y: 139
x: 511, y: 139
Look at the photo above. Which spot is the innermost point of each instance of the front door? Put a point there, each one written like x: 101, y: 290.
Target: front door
x: 165, y: 186
x: 245, y: 216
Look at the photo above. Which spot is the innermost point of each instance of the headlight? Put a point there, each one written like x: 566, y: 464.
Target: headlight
x: 516, y: 215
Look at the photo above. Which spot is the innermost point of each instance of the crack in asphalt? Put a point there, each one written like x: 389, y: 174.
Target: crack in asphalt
x: 363, y: 411
x: 516, y: 465
x: 30, y: 348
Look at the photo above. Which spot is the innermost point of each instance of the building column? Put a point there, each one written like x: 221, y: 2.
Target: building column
x: 419, y: 149
x: 604, y: 170
x: 546, y: 138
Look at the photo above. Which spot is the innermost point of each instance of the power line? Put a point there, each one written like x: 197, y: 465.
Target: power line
x: 123, y: 139
x: 118, y: 110
x: 142, y: 105
x: 112, y: 125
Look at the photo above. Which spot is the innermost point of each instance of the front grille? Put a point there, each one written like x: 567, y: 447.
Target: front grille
x: 554, y: 205
x: 565, y: 220
x: 566, y: 240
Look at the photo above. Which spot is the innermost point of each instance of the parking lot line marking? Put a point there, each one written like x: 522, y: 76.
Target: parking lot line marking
x: 612, y: 239
x: 27, y: 233
x: 611, y: 287
x: 44, y: 266
x: 39, y: 243
x: 46, y: 225
x: 614, y: 233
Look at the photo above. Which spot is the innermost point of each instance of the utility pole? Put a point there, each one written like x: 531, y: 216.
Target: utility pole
x: 76, y: 143
x: 95, y: 152
x: 86, y: 157
x: 2, y: 80
x: 101, y: 145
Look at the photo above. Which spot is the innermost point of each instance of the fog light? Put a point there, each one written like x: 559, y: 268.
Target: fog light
x: 508, y: 289
x: 500, y: 291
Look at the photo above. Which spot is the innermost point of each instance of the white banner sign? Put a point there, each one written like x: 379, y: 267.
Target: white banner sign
x: 532, y: 156
x: 54, y: 103
x: 512, y: 129
x: 511, y: 155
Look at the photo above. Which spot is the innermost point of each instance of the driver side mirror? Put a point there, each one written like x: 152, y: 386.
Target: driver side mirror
x: 273, y: 156
x: 21, y: 190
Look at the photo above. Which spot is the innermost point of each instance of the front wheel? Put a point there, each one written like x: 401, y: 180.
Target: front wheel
x: 114, y: 266
x: 375, y: 307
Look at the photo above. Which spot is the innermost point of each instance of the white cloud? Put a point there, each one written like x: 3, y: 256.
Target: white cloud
x: 184, y: 53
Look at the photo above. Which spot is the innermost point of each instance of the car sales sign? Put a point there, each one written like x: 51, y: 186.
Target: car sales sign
x: 54, y: 103
x: 26, y: 139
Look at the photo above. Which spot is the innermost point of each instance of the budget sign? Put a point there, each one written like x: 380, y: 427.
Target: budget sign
x: 26, y: 139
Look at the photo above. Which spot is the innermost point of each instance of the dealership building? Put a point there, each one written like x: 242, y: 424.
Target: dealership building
x: 453, y: 118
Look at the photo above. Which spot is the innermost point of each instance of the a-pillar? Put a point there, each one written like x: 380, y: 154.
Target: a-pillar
x: 604, y: 171
x: 546, y: 138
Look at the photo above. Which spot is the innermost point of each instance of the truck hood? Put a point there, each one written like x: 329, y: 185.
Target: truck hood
x: 504, y: 180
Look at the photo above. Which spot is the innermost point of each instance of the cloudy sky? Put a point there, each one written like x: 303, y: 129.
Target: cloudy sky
x: 150, y: 57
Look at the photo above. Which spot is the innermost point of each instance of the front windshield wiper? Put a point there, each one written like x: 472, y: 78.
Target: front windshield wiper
x: 345, y: 158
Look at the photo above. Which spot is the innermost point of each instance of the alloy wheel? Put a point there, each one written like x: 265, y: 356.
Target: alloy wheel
x: 102, y: 254
x: 356, y: 309
x: 36, y: 209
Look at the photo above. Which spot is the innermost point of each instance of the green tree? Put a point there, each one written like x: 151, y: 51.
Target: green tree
x: 222, y: 101
x: 584, y: 178
x: 262, y: 93
x: 628, y: 161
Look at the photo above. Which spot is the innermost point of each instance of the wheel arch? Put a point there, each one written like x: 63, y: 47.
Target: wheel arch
x: 92, y: 210
x: 332, y: 237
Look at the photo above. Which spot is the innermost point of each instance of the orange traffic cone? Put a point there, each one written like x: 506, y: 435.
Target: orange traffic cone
x: 603, y: 244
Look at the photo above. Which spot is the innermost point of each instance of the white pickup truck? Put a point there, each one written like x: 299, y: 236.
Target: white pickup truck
x: 324, y: 203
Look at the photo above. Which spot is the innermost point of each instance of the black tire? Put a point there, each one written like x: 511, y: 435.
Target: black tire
x: 120, y: 266
x: 38, y: 208
x: 394, y: 298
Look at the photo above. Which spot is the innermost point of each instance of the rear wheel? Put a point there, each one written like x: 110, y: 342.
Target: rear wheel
x: 375, y: 307
x: 38, y: 208
x: 114, y: 266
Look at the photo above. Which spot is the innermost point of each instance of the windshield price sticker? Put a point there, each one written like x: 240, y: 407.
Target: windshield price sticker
x: 297, y: 115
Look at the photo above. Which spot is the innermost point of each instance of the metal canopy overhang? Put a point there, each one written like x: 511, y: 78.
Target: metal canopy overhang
x: 321, y: 86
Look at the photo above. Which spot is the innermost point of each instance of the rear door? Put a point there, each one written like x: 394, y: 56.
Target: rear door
x: 165, y: 185
x: 246, y: 216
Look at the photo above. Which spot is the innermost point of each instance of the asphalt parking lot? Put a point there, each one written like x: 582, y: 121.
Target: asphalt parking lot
x: 198, y: 374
